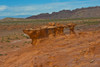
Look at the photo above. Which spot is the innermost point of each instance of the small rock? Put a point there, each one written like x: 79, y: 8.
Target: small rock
x: 92, y: 61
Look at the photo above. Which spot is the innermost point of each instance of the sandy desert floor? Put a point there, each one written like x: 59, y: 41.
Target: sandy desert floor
x: 80, y: 50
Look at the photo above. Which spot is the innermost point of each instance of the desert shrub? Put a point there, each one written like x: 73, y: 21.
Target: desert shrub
x: 17, y: 37
x: 12, y: 46
x: 1, y: 54
x: 25, y: 36
x: 8, y: 37
x: 2, y: 39
x: 5, y: 54
x: 27, y: 42
x: 8, y: 41
x: 17, y: 46
x: 91, y: 22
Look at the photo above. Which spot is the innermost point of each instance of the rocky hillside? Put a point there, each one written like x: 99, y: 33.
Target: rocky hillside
x: 65, y: 14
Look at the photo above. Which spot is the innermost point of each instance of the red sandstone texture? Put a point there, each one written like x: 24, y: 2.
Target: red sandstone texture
x: 80, y: 50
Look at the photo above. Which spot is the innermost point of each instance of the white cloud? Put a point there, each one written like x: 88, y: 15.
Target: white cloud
x: 22, y: 8
x: 3, y: 7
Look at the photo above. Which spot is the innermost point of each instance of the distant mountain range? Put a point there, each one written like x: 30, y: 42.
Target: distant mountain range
x: 89, y: 12
x: 18, y: 16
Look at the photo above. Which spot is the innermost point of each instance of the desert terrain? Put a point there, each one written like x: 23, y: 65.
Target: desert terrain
x: 79, y: 50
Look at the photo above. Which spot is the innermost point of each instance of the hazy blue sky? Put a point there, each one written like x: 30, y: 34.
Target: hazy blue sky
x: 23, y: 8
